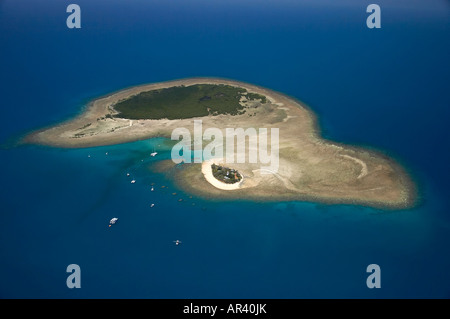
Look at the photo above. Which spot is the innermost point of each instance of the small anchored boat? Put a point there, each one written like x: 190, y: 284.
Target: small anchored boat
x: 113, y: 221
x: 153, y: 154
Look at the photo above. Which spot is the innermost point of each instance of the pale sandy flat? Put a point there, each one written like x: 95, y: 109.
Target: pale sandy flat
x: 311, y: 168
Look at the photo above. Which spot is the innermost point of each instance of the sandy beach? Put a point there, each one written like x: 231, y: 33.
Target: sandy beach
x: 207, y: 173
x: 310, y: 168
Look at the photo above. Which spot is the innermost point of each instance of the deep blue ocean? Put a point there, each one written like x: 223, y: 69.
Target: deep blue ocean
x: 387, y: 89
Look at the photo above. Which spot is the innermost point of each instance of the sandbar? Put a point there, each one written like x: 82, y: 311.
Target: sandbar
x: 310, y: 167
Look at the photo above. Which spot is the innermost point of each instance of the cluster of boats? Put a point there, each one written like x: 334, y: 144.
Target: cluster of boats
x: 114, y: 220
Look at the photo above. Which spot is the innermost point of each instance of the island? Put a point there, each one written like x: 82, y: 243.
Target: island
x: 222, y: 178
x: 225, y: 175
x: 311, y: 168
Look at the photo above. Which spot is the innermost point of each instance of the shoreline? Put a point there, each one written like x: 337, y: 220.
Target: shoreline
x: 311, y: 167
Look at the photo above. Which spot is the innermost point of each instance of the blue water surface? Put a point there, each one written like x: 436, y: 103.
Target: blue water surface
x: 386, y: 89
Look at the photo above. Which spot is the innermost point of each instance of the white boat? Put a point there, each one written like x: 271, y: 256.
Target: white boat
x: 113, y: 221
x: 152, y: 154
x: 128, y: 174
x: 152, y: 205
x: 133, y: 181
x: 177, y: 242
x: 152, y: 189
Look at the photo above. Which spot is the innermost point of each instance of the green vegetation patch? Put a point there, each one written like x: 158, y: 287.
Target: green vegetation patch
x: 180, y: 102
x: 256, y: 96
x: 225, y: 174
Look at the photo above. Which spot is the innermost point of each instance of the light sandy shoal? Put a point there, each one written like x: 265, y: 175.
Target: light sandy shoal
x: 207, y: 172
x: 310, y: 167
